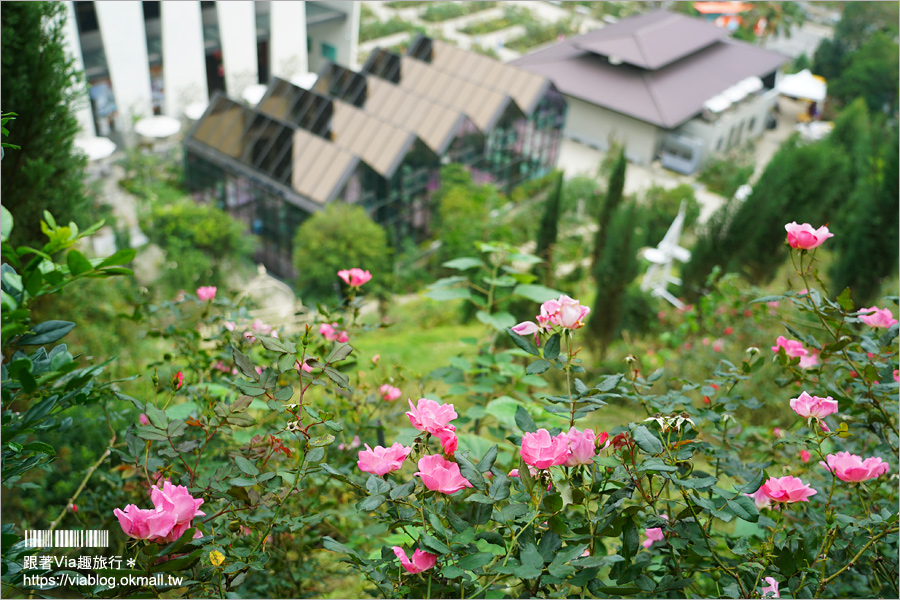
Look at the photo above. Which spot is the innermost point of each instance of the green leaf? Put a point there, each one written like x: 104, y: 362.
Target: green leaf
x: 536, y: 293
x: 480, y: 498
x: 370, y: 503
x: 272, y: 344
x: 339, y: 352
x: 499, y: 321
x: 537, y: 367
x: 6, y: 223
x: 242, y: 481
x: 246, y: 466
x: 551, y: 350
x: 525, y: 343
x: 336, y: 376
x: 744, y: 508
x: 753, y: 485
x: 531, y: 557
x: 243, y: 363
x: 442, y: 294
x: 432, y: 544
x: 470, y: 562
x: 322, y: 440
x: 646, y: 440
x: 464, y: 263
x: 46, y: 333
x: 469, y: 472
x: 698, y: 483
x: 157, y: 417
x: 845, y: 300
x: 122, y: 257
x: 77, y: 263
x: 524, y: 420
x: 487, y: 461
x: 402, y: 491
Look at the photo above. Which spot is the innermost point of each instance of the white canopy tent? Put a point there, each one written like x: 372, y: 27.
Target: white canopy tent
x: 803, y: 85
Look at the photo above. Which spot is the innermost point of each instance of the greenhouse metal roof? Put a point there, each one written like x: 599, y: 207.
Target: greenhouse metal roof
x: 484, y: 106
x: 379, y: 144
x: 284, y: 154
x: 525, y: 88
x: 434, y: 123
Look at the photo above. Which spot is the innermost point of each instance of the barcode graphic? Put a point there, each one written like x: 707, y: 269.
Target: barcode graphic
x: 67, y: 538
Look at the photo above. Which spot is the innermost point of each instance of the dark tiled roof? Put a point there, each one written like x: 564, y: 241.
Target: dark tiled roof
x: 666, y: 96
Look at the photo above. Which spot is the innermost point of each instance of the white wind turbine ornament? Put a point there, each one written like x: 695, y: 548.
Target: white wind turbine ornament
x: 659, y: 275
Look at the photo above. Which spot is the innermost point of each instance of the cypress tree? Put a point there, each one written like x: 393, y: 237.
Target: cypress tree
x: 40, y: 85
x: 614, y: 194
x: 866, y: 234
x: 617, y: 268
x: 547, y: 234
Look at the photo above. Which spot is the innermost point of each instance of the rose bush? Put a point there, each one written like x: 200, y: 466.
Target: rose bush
x: 510, y: 475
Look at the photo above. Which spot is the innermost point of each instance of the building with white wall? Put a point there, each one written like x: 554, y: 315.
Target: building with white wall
x: 143, y: 58
x: 664, y: 85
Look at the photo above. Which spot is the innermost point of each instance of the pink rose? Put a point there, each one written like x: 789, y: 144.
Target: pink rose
x: 565, y: 312
x: 787, y: 489
x: 813, y: 406
x: 145, y: 523
x: 877, y: 317
x: 381, y: 461
x: 805, y: 456
x: 304, y: 368
x: 389, y: 392
x: 810, y: 360
x: 177, y: 501
x: 375, y: 359
x: 527, y: 328
x: 355, y: 442
x: 771, y: 588
x: 541, y: 451
x: 896, y: 375
x: 440, y: 475
x: 759, y: 498
x: 354, y: 277
x: 513, y: 473
x: 717, y: 345
x: 260, y: 327
x: 431, y: 416
x: 449, y: 441
x: 792, y: 348
x: 805, y: 237
x: 580, y: 446
x: 206, y: 293
x: 654, y: 534
x: 421, y: 560
x: 143, y: 419
x: 177, y: 381
x: 331, y: 334
x: 230, y: 325
x: 852, y: 468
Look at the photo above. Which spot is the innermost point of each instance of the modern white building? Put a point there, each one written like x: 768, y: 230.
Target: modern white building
x: 145, y: 58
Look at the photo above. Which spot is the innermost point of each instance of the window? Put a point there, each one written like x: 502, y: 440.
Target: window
x: 719, y: 144
x: 752, y: 125
x: 329, y: 52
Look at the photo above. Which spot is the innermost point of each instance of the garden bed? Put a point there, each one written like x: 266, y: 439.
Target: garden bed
x: 511, y: 16
x: 444, y: 11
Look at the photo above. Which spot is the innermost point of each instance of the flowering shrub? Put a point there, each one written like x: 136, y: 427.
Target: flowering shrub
x: 508, y: 476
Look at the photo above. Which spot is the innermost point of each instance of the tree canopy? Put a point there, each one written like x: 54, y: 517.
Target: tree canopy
x: 340, y: 237
x: 40, y: 85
